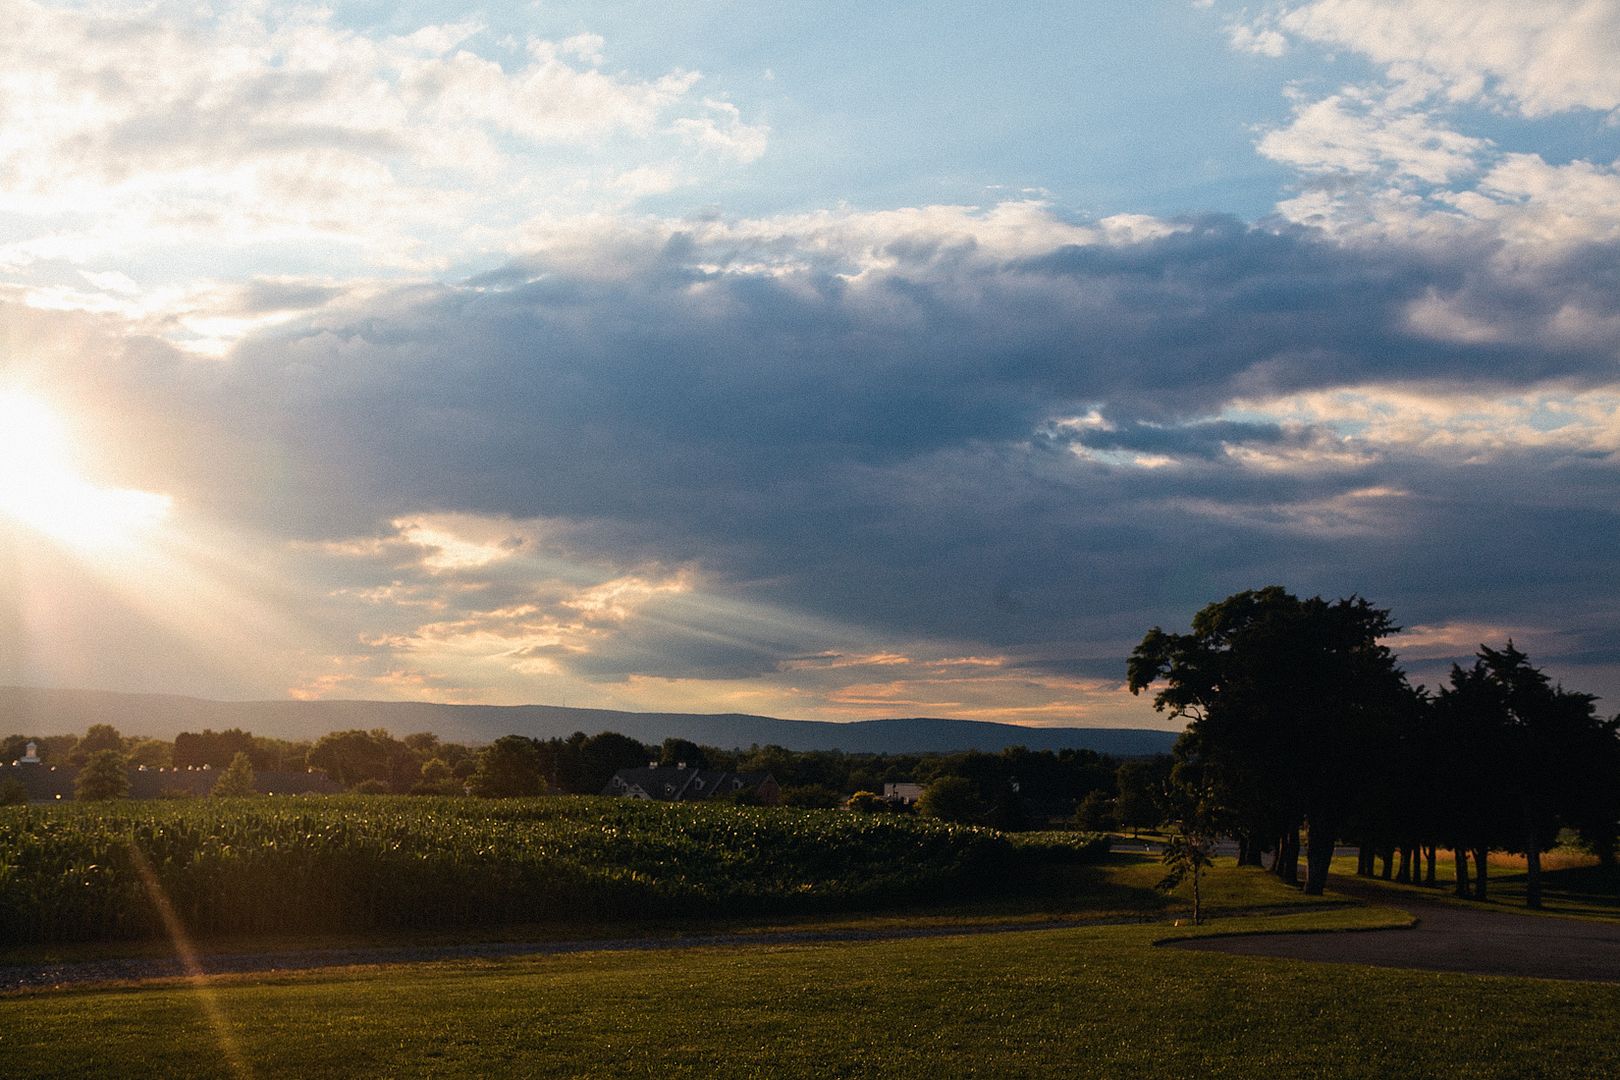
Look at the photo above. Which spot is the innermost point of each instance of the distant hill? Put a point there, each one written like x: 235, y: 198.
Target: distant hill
x: 48, y: 712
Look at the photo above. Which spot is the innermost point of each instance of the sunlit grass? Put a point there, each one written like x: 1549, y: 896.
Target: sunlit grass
x: 1090, y: 1001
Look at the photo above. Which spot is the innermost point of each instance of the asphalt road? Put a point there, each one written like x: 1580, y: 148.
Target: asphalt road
x: 1448, y: 938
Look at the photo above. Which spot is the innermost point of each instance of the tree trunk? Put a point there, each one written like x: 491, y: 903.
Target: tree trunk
x: 1461, y: 855
x: 1364, y: 859
x: 1532, y: 875
x: 1479, y: 872
x: 1198, y: 899
x: 1388, y: 858
x: 1318, y: 858
x: 1403, y: 873
x: 1428, y: 877
x: 1288, y: 857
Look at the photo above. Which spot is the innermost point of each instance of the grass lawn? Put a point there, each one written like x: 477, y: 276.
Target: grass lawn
x: 1086, y: 1001
x: 1120, y: 887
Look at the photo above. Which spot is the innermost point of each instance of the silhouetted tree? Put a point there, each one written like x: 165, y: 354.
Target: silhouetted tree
x: 104, y: 775
x: 952, y: 798
x: 510, y: 766
x: 437, y: 779
x: 97, y: 738
x: 605, y: 754
x: 1281, y: 694
x: 1538, y: 754
x: 355, y: 757
x: 150, y: 752
x: 677, y: 751
x: 1096, y: 813
x: 1141, y: 786
x: 194, y: 749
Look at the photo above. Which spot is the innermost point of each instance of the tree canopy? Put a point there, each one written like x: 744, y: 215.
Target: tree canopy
x: 104, y: 775
x: 1301, y: 720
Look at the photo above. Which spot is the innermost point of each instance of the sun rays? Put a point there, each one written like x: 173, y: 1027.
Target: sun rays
x: 41, y: 488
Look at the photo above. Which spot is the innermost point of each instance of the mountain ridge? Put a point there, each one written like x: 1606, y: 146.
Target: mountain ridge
x: 42, y: 711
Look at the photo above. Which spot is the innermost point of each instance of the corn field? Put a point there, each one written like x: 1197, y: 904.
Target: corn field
x: 308, y: 865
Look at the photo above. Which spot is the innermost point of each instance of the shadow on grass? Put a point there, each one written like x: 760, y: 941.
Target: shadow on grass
x: 1124, y: 885
x: 1586, y: 891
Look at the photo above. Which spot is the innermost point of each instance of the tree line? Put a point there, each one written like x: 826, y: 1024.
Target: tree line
x: 1302, y: 729
x: 1013, y: 789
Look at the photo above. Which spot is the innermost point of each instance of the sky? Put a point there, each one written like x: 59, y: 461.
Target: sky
x: 837, y: 362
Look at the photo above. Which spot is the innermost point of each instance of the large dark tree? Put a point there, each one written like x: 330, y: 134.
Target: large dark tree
x: 1287, y: 701
x: 356, y: 757
x: 1533, y: 756
x: 511, y: 765
x: 217, y: 749
x: 99, y: 738
x: 1142, y: 784
x: 105, y: 775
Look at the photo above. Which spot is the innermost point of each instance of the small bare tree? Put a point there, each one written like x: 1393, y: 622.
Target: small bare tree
x: 1187, y: 854
x: 1194, y: 817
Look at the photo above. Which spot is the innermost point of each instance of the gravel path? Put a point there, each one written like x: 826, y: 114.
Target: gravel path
x: 1448, y: 938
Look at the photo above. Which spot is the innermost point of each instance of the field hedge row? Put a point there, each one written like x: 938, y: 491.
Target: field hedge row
x: 74, y: 872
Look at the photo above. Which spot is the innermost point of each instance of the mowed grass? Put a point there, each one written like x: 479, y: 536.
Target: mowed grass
x: 1118, y: 887
x: 1086, y: 1001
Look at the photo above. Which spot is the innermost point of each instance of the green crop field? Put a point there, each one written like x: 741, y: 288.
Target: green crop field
x: 259, y: 866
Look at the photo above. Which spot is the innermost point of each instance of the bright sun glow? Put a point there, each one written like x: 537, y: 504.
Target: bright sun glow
x: 40, y: 488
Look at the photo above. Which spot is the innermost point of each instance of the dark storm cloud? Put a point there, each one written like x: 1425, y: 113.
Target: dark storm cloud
x: 542, y: 395
x: 886, y: 449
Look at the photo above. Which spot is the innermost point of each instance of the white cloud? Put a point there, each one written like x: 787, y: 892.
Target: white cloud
x: 1448, y: 424
x: 1357, y: 132
x: 1536, y: 58
x: 274, y: 132
x: 1388, y: 163
x: 1550, y: 206
x: 844, y: 241
x: 1261, y: 41
x: 721, y: 129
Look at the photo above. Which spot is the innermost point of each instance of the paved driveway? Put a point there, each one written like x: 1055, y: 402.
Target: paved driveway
x: 1449, y: 938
